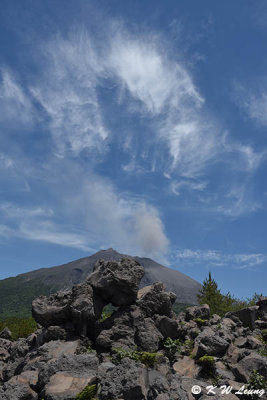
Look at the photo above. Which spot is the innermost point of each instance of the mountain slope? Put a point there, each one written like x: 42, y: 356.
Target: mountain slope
x: 17, y: 293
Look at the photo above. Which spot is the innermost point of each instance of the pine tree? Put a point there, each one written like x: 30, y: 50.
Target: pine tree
x: 211, y: 295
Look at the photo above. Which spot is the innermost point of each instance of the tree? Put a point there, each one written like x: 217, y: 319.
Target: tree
x: 211, y: 295
x: 221, y: 303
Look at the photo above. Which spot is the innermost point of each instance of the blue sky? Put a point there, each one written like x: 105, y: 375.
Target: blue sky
x: 139, y: 126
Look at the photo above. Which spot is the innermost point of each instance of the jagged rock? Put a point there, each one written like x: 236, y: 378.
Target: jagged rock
x: 4, y: 355
x: 202, y: 312
x: 262, y: 304
x: 128, y: 380
x: 154, y: 300
x: 249, y: 342
x: 208, y: 342
x: 120, y: 332
x: 148, y: 336
x: 248, y: 364
x: 168, y: 327
x: 15, y: 389
x: 6, y: 334
x: 247, y: 316
x: 186, y: 366
x: 55, y: 333
x: 66, y: 385
x: 80, y: 364
x: 259, y: 324
x: 223, y: 371
x: 215, y: 319
x: 85, y: 307
x: 53, y: 310
x: 57, y: 348
x: 117, y: 282
x: 58, y: 360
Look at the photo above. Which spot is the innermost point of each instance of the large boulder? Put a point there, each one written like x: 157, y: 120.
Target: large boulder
x: 128, y: 380
x: 186, y: 366
x: 210, y: 343
x: 246, y: 315
x: 52, y: 310
x: 168, y: 327
x: 147, y: 336
x: 154, y: 299
x: 117, y: 282
x: 65, y: 385
x: 118, y: 331
x: 86, y: 307
x: 194, y: 312
x: 80, y: 306
x: 244, y: 368
x: 262, y: 303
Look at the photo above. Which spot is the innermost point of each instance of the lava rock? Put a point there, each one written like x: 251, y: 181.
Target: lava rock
x: 117, y: 282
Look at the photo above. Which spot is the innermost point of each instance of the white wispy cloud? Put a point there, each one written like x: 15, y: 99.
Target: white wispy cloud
x: 144, y: 78
x: 66, y: 89
x: 176, y: 187
x: 15, y: 104
x: 237, y: 201
x: 252, y: 99
x: 214, y: 258
x: 11, y: 211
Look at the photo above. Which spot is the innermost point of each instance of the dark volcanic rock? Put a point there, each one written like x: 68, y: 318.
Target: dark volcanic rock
x: 154, y: 300
x: 202, y: 312
x: 53, y: 310
x: 247, y: 316
x: 117, y: 282
x: 5, y: 334
x: 142, y: 351
x: 46, y: 281
x: 210, y: 343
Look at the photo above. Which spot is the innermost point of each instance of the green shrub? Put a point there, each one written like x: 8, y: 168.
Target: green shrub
x: 208, y: 365
x: 256, y: 382
x: 19, y: 327
x: 105, y: 315
x: 147, y: 358
x: 90, y: 349
x: 263, y: 351
x: 200, y: 321
x: 88, y: 393
x: 107, y: 312
x: 206, y: 360
x: 188, y: 347
x: 171, y: 346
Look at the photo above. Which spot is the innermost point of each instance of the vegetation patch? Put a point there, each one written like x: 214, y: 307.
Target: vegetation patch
x: 88, y: 393
x: 19, y: 327
x: 145, y: 357
x: 208, y: 365
x: 107, y: 312
x: 188, y: 347
x: 200, y: 321
x: 256, y: 382
x: 222, y: 303
x: 171, y: 347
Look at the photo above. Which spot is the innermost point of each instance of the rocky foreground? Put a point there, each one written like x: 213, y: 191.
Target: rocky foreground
x: 142, y: 351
